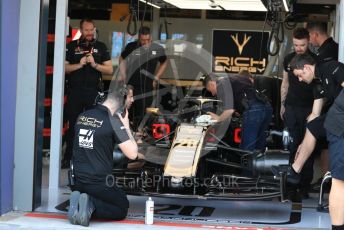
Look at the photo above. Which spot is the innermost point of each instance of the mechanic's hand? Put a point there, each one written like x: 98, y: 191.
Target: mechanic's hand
x: 137, y: 164
x: 155, y: 84
x: 282, y: 111
x: 121, y: 79
x: 213, y: 116
x: 236, y: 114
x: 83, y: 61
x: 140, y: 156
x: 125, y: 119
x: 90, y: 60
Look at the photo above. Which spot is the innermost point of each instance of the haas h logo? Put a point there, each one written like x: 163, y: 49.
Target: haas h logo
x: 240, y: 45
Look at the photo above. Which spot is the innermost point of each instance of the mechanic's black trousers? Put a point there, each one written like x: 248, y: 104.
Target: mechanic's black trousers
x: 138, y: 109
x: 295, y: 120
x: 110, y: 202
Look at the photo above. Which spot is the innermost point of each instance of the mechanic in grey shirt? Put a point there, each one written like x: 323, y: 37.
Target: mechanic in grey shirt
x: 237, y: 93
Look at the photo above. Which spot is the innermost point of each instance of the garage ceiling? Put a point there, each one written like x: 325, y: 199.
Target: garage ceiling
x: 303, y: 10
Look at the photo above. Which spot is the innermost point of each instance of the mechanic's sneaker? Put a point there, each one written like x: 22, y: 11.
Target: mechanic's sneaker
x: 292, y: 176
x: 73, y: 207
x: 86, y: 208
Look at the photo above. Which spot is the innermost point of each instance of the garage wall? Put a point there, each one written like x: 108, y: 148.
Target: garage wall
x: 9, y: 30
x: 191, y: 28
x: 26, y: 117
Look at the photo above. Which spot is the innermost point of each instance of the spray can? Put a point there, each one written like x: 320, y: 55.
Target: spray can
x: 149, y: 215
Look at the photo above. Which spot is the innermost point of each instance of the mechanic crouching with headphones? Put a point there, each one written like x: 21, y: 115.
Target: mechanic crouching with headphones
x: 97, y: 131
x: 237, y: 93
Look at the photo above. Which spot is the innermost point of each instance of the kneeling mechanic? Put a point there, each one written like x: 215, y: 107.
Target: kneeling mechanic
x: 97, y: 131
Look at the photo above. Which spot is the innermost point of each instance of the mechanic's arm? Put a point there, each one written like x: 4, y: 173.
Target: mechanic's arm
x: 159, y: 73
x: 161, y: 70
x: 225, y: 115
x: 316, y: 110
x: 104, y: 67
x: 129, y: 147
x: 122, y: 69
x: 72, y: 67
x: 284, y: 92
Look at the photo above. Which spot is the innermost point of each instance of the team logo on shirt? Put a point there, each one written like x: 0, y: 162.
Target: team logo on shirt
x: 90, y: 121
x: 86, y: 138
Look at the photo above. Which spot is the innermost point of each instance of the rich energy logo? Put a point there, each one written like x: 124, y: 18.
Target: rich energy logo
x: 234, y: 63
x: 89, y: 121
x: 240, y: 46
x: 86, y: 138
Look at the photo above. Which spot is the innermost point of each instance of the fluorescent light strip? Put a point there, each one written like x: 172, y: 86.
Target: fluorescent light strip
x: 151, y: 4
x: 244, y: 5
x: 285, y: 5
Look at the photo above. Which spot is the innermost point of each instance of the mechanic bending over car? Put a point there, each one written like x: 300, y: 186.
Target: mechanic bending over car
x: 238, y: 94
x: 97, y: 131
x: 329, y: 83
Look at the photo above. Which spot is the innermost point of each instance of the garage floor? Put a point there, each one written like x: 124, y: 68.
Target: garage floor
x: 177, y: 213
x: 181, y: 213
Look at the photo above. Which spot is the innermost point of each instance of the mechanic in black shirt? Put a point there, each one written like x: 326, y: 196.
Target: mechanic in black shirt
x: 294, y: 112
x: 332, y: 81
x: 328, y: 81
x: 237, y: 93
x: 86, y: 60
x: 327, y: 51
x: 327, y: 47
x: 334, y: 125
x: 97, y: 131
x: 138, y: 67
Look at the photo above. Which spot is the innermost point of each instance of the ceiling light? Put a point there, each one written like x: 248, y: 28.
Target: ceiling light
x: 151, y: 4
x: 285, y: 5
x: 238, y: 5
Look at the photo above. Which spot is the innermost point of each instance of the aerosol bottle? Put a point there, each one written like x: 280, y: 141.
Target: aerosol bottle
x: 149, y: 215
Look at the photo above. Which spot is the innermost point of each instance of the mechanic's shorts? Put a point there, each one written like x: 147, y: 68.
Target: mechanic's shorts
x: 316, y: 127
x: 336, y: 151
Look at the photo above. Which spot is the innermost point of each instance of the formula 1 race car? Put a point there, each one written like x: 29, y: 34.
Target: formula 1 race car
x: 186, y: 158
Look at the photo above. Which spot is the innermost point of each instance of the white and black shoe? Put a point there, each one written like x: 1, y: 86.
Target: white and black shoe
x: 73, y: 211
x: 86, y: 208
